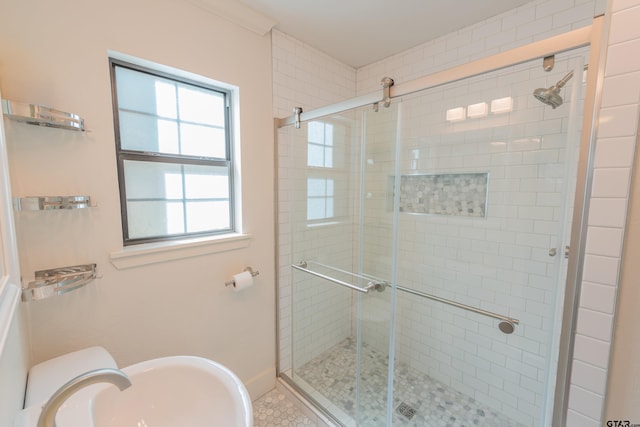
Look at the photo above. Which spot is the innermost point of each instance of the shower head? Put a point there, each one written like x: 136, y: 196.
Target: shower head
x: 551, y: 96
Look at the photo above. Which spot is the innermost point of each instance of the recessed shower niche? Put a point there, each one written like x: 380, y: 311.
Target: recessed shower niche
x: 459, y: 194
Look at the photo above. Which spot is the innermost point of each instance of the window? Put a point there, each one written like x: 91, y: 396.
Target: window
x: 173, y: 143
x: 322, y: 172
x: 319, y: 198
x: 320, y: 148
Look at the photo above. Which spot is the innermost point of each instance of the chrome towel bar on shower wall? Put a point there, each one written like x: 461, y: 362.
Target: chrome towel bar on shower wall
x: 506, y: 325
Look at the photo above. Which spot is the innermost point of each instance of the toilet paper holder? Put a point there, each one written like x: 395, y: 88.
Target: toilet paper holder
x: 248, y: 270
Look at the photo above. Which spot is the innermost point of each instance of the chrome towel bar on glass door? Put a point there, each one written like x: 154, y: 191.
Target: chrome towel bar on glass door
x: 302, y: 266
x: 506, y: 325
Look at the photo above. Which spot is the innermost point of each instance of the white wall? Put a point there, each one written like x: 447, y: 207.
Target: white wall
x: 56, y: 54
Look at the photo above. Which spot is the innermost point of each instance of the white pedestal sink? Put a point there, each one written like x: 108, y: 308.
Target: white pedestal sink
x: 176, y: 391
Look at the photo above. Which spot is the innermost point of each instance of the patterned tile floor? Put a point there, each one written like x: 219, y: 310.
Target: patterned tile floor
x: 277, y: 409
x: 429, y: 402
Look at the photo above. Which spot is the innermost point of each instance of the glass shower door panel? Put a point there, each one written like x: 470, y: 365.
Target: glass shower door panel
x: 324, y: 202
x: 486, y: 175
x: 376, y: 260
x: 342, y: 168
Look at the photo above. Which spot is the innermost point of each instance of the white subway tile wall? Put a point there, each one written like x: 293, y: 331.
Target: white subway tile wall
x: 615, y: 146
x: 302, y: 77
x: 531, y: 22
x: 308, y: 78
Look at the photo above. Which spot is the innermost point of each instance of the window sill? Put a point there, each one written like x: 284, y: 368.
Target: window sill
x: 322, y: 224
x: 152, y: 253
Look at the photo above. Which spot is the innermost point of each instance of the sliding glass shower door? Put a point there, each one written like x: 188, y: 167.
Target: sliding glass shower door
x: 341, y: 313
x: 486, y: 180
x: 427, y: 247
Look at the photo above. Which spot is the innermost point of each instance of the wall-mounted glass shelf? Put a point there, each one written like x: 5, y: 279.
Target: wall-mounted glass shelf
x: 49, y: 203
x: 41, y: 115
x: 58, y: 281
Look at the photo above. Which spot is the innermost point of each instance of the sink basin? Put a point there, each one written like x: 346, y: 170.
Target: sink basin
x: 167, y: 392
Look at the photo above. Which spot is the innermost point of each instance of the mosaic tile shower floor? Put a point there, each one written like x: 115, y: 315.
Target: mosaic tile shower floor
x: 276, y: 409
x: 435, y: 404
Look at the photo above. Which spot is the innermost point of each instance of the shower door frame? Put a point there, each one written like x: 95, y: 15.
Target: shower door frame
x: 593, y: 36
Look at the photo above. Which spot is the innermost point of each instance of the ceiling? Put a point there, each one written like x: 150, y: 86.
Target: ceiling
x: 359, y: 32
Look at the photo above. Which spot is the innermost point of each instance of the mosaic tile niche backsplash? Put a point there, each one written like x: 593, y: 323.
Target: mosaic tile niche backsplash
x: 460, y: 194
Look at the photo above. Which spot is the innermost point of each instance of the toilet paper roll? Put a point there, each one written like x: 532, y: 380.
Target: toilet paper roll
x: 242, y: 281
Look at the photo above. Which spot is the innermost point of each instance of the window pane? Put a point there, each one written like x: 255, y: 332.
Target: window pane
x: 145, y: 93
x: 315, y: 131
x: 202, y: 141
x: 166, y: 103
x: 159, y: 180
x: 160, y: 192
x: 138, y: 132
x: 152, y: 180
x: 328, y: 157
x: 316, y: 208
x: 173, y: 185
x: 168, y: 141
x: 141, y: 132
x: 154, y: 218
x: 320, y: 144
x: 201, y: 106
x: 207, y: 216
x: 206, y: 182
x: 316, y: 187
x: 329, y: 208
x: 328, y: 134
x: 329, y: 184
x: 320, y: 198
x: 315, y: 155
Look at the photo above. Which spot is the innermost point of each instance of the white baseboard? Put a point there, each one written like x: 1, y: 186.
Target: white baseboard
x: 261, y: 383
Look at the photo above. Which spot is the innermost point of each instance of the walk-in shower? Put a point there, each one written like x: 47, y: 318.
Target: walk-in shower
x: 424, y: 249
